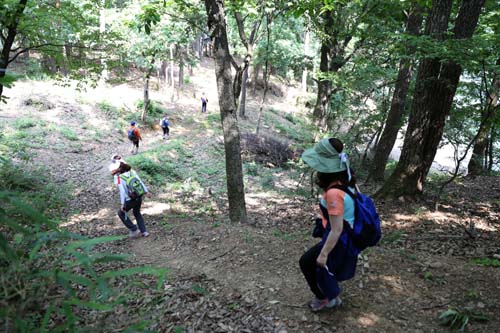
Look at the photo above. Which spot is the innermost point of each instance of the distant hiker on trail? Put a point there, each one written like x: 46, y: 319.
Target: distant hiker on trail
x: 204, y: 101
x: 134, y: 135
x: 132, y: 189
x: 334, y: 258
x: 165, y: 123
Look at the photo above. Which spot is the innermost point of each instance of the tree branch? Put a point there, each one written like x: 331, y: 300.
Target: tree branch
x: 241, y: 28
x: 50, y: 44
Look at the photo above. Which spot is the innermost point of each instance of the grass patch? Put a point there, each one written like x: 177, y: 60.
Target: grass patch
x: 489, y: 262
x: 68, y: 133
x: 23, y: 123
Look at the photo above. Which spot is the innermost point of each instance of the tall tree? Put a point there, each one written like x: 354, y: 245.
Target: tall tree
x: 394, y: 119
x: 337, y: 23
x: 477, y: 163
x: 437, y: 80
x: 216, y: 21
x: 9, y: 22
x: 249, y: 43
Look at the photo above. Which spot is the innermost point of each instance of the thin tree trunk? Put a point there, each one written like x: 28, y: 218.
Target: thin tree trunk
x: 243, y: 98
x: 227, y: 103
x: 172, y: 81
x: 491, y: 140
x: 266, y: 75
x: 11, y: 28
x: 102, y: 30
x: 435, y: 89
x: 476, y: 166
x: 256, y: 72
x: 306, y: 54
x: 248, y: 43
x: 181, y: 67
x: 324, y: 88
x: 395, y: 116
x: 147, y: 77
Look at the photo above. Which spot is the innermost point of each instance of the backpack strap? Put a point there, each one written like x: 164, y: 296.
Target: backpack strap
x: 343, y: 188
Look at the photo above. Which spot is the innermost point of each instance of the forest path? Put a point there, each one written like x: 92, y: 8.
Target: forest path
x: 422, y: 267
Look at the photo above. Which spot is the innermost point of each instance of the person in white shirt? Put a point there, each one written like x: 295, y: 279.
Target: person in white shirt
x: 128, y: 201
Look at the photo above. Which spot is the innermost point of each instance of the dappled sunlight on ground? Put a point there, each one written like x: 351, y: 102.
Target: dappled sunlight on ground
x: 368, y: 319
x: 155, y: 208
x: 101, y: 214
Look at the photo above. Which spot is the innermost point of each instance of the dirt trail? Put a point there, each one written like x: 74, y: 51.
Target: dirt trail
x: 422, y: 268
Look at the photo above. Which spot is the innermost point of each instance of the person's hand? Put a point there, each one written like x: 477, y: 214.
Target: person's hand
x: 148, y: 194
x: 123, y: 209
x: 321, y: 260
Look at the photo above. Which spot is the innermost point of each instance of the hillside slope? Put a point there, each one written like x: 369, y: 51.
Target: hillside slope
x: 226, y: 277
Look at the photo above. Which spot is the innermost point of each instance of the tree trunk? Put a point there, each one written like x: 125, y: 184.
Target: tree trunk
x: 243, y: 98
x: 227, y: 103
x: 306, y: 54
x: 489, y: 153
x: 164, y: 71
x: 266, y: 75
x: 11, y: 29
x: 147, y: 77
x: 181, y: 67
x: 248, y: 43
x: 395, y: 115
x: 332, y: 59
x: 256, y: 72
x: 324, y: 88
x: 476, y: 165
x: 171, y: 77
x: 102, y: 30
x: 434, y: 92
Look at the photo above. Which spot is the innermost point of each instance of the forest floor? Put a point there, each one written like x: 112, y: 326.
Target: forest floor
x: 225, y: 277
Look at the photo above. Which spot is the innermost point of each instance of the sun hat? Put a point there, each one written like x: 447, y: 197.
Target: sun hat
x: 116, y: 159
x: 324, y: 158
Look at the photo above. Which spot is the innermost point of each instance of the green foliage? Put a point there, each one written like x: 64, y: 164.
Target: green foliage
x: 68, y: 133
x: 23, y: 123
x: 48, y: 273
x: 155, y: 110
x: 490, y: 262
x: 251, y: 168
x: 458, y: 320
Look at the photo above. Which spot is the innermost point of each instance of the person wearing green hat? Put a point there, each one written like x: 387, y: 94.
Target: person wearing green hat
x: 333, y: 259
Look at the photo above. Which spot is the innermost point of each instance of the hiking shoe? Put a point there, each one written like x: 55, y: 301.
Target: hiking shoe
x: 334, y: 303
x: 145, y: 234
x: 134, y: 234
x: 320, y: 304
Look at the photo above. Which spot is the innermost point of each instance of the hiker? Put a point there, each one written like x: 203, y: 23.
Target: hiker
x: 334, y: 258
x: 204, y: 101
x: 134, y: 135
x: 132, y: 189
x: 164, y: 123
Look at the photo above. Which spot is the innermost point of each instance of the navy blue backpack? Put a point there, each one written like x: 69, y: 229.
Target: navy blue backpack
x: 366, y: 231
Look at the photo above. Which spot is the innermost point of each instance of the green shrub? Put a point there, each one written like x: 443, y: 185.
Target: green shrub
x: 68, y: 133
x: 155, y: 110
x: 52, y: 279
x: 251, y: 168
x: 23, y: 123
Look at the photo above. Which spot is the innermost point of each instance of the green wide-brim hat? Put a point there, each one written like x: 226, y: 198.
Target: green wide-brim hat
x: 324, y: 158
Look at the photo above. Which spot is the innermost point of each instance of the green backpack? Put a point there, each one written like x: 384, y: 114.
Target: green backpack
x: 134, y: 186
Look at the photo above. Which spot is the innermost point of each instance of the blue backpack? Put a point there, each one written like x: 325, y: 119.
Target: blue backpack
x: 165, y: 123
x: 366, y: 231
x: 131, y: 134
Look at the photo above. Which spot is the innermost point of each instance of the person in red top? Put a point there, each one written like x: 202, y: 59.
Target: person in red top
x: 134, y: 135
